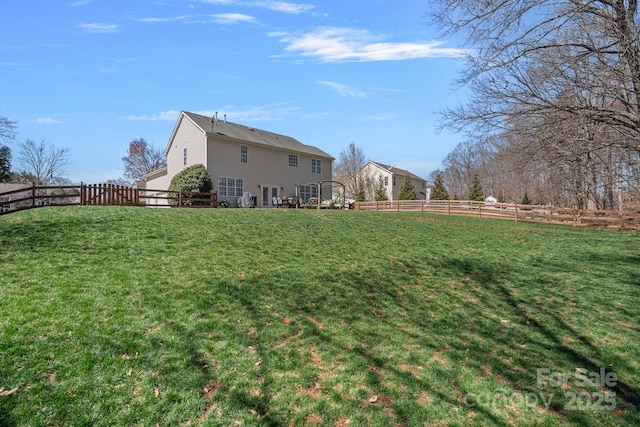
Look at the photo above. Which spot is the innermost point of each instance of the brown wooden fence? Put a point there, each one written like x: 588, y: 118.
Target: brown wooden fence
x: 34, y: 196
x: 513, y: 212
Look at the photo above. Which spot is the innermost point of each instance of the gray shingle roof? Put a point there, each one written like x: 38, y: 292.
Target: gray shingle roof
x: 253, y: 135
x: 397, y: 171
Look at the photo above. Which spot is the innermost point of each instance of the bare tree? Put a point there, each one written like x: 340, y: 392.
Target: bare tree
x: 347, y: 169
x: 44, y: 161
x: 557, y: 82
x: 524, y: 53
x: 142, y: 159
x: 7, y: 129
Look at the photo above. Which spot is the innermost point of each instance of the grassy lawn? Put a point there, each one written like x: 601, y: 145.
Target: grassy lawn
x: 125, y: 316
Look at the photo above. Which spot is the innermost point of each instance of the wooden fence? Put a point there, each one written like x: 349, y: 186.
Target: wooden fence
x: 513, y: 212
x: 35, y: 196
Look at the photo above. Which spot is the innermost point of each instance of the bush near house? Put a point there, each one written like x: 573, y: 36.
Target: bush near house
x: 193, y: 179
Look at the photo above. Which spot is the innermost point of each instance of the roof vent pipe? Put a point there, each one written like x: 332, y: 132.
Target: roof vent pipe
x: 225, y: 118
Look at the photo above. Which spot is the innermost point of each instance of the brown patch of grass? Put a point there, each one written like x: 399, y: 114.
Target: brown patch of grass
x: 407, y: 368
x: 315, y: 359
x: 424, y: 398
x: 426, y: 220
x: 313, y: 419
x: 436, y: 357
x: 316, y: 322
x: 288, y: 339
x: 313, y: 391
x: 209, y: 391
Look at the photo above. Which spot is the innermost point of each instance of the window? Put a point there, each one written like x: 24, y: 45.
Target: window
x: 244, y: 154
x: 184, y: 156
x: 293, y: 160
x: 386, y: 181
x: 316, y: 166
x: 231, y: 187
x: 308, y: 191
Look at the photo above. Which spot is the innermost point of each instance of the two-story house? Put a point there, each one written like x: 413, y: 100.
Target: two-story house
x: 393, y: 179
x: 243, y: 159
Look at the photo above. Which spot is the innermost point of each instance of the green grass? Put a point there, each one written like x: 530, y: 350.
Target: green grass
x: 125, y: 316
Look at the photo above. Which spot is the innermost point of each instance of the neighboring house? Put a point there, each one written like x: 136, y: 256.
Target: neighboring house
x: 7, y: 202
x: 393, y: 179
x: 243, y: 159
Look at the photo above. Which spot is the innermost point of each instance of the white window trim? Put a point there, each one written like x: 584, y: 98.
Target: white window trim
x: 244, y: 154
x: 223, y: 189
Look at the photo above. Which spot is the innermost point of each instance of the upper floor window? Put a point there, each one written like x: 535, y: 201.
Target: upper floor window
x: 184, y: 156
x: 316, y: 166
x: 386, y: 181
x: 244, y: 154
x: 293, y: 160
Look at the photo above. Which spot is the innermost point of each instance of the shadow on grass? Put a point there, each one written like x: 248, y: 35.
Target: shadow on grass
x: 553, y: 350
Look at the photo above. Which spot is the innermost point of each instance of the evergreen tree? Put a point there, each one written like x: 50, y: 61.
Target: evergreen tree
x: 408, y: 192
x: 360, y: 195
x: 475, y: 192
x: 5, y: 163
x: 381, y: 192
x: 525, y: 200
x: 439, y: 192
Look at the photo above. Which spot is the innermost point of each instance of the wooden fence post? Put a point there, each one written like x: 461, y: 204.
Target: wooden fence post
x: 449, y: 207
x: 516, y: 212
x: 180, y: 198
x: 33, y: 194
x: 479, y: 209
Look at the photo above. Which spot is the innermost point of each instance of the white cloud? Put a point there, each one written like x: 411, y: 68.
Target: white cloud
x: 161, y: 20
x: 261, y: 113
x: 277, y: 6
x: 285, y: 7
x: 99, y: 28
x: 331, y: 44
x: 48, y: 121
x: 232, y: 18
x: 170, y: 115
x: 80, y: 3
x: 342, y: 90
x: 221, y: 18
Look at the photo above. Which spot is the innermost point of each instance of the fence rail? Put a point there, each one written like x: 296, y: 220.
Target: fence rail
x: 513, y: 212
x: 35, y: 196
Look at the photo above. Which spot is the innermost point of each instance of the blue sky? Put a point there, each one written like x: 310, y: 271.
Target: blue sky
x: 92, y: 75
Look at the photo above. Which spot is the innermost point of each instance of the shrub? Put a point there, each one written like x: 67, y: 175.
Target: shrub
x: 194, y: 178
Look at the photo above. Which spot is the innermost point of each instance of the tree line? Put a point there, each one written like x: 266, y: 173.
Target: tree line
x: 554, y: 111
x: 42, y: 163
